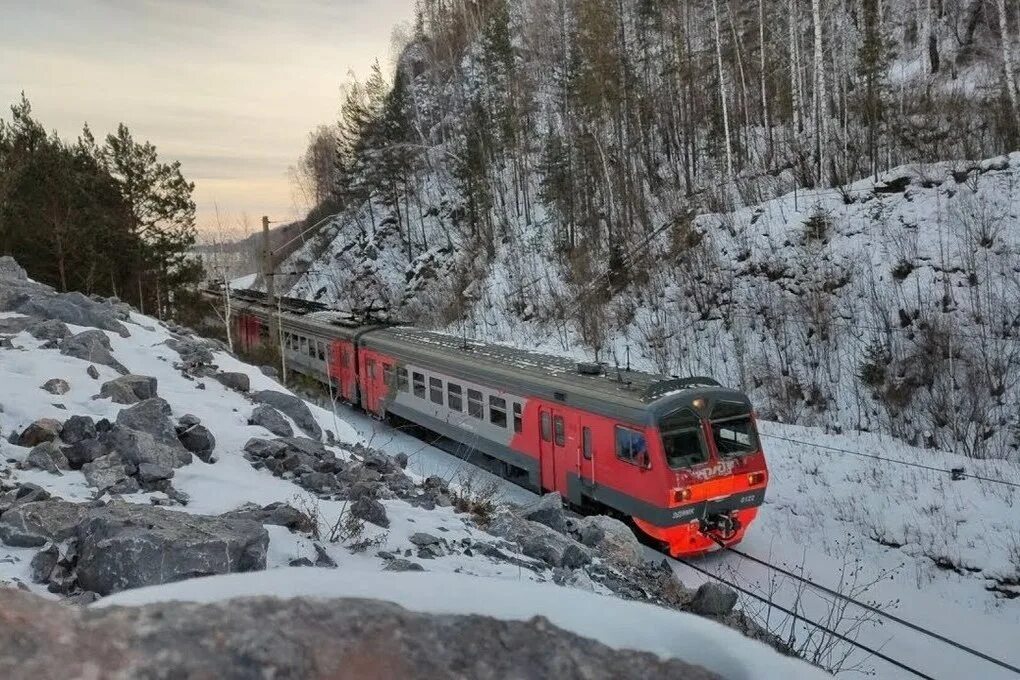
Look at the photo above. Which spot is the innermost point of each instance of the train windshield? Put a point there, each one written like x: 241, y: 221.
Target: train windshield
x: 733, y: 430
x: 682, y: 439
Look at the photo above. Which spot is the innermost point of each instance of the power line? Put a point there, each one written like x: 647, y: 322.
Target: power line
x: 957, y: 473
x: 796, y: 616
x: 876, y: 610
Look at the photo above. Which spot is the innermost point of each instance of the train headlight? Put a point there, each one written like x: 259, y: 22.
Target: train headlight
x: 755, y: 478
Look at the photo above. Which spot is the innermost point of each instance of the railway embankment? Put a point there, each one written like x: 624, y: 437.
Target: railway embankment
x: 137, y: 457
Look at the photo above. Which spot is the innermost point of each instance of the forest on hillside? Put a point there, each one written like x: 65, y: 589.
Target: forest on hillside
x: 104, y: 217
x: 786, y: 194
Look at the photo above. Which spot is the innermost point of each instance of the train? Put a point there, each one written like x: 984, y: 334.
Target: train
x: 680, y: 458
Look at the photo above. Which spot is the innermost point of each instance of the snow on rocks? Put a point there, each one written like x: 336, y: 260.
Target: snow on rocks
x: 129, y: 389
x: 294, y: 407
x: 93, y: 346
x: 268, y: 417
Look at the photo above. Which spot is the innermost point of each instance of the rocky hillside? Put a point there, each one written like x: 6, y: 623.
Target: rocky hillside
x: 136, y: 456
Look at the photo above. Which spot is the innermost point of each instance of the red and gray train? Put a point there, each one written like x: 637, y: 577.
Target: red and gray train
x: 679, y: 456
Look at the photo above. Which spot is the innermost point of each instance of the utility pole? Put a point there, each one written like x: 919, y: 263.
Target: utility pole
x: 269, y: 277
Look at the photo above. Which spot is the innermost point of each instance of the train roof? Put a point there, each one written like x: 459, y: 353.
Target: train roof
x: 619, y: 391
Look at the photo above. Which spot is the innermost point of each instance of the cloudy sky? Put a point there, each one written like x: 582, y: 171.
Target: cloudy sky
x: 231, y: 88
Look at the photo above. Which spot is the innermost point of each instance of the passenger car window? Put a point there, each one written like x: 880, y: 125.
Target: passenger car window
x: 586, y: 442
x: 518, y: 420
x: 436, y: 391
x: 387, y: 372
x: 402, y: 379
x: 546, y: 427
x: 454, y: 397
x: 419, y: 385
x: 476, y: 409
x: 559, y: 431
x: 497, y: 411
x: 630, y: 445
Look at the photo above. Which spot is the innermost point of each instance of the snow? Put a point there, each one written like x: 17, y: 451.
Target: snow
x: 830, y: 514
x: 244, y: 282
x: 616, y: 623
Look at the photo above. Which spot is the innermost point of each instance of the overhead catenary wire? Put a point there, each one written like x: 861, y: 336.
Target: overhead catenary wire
x: 839, y: 636
x: 875, y: 610
x: 875, y: 456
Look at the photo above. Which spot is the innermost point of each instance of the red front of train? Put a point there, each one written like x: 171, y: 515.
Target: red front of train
x: 716, y: 477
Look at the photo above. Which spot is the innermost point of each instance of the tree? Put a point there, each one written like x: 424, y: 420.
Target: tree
x: 163, y: 215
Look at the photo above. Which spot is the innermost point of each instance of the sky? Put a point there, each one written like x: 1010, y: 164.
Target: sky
x: 230, y: 88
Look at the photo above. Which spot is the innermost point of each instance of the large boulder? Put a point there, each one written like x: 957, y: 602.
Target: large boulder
x: 49, y: 330
x: 294, y: 407
x: 193, y: 352
x: 73, y: 308
x: 233, y: 380
x: 29, y: 525
x: 10, y: 270
x: 135, y: 448
x: 77, y: 429
x: 198, y: 440
x: 611, y: 537
x: 547, y: 510
x: 268, y: 417
x: 539, y: 541
x: 713, y: 599
x: 370, y: 510
x: 123, y: 546
x: 151, y: 416
x: 315, y: 639
x: 92, y: 346
x: 42, y: 430
x: 129, y: 389
x: 47, y: 456
x: 108, y: 473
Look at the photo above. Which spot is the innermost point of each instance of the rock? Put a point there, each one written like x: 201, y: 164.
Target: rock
x: 47, y: 456
x: 279, y: 514
x: 322, y: 558
x: 92, y: 372
x: 400, y: 564
x: 82, y: 599
x: 198, y: 440
x: 105, y: 472
x: 301, y: 562
x: 30, y: 525
x: 547, y: 510
x: 268, y: 417
x: 135, y: 448
x: 235, y: 381
x: 539, y: 541
x: 73, y: 308
x: 25, y: 493
x: 149, y: 473
x: 11, y: 270
x: 270, y: 372
x: 319, y: 482
x: 92, y: 346
x: 151, y: 416
x: 309, y: 638
x: 370, y: 510
x: 293, y: 407
x: 43, y: 564
x: 42, y: 430
x: 56, y: 386
x: 123, y: 546
x: 5, y: 342
x: 129, y: 389
x: 611, y: 537
x: 83, y: 452
x: 401, y: 459
x: 713, y: 599
x: 77, y: 428
x: 264, y: 448
x: 193, y: 353
x: 50, y: 330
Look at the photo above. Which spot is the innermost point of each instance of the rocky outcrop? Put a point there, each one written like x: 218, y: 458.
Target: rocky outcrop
x: 300, y: 638
x: 539, y: 541
x: 294, y: 407
x: 122, y: 546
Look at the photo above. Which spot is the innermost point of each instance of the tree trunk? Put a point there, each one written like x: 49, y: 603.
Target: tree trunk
x: 821, y: 94
x: 722, y: 91
x: 1007, y: 59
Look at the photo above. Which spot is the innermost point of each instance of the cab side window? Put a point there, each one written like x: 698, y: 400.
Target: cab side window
x: 631, y: 446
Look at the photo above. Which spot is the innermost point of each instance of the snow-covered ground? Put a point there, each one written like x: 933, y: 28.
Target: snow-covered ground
x: 910, y: 540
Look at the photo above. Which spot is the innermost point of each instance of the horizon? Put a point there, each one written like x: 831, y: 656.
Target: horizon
x: 257, y: 77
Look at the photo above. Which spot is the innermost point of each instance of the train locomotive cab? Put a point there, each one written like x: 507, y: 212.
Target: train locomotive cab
x: 707, y: 442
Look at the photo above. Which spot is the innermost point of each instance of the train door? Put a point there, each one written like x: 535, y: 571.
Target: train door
x: 555, y: 461
x: 347, y: 373
x: 370, y: 392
